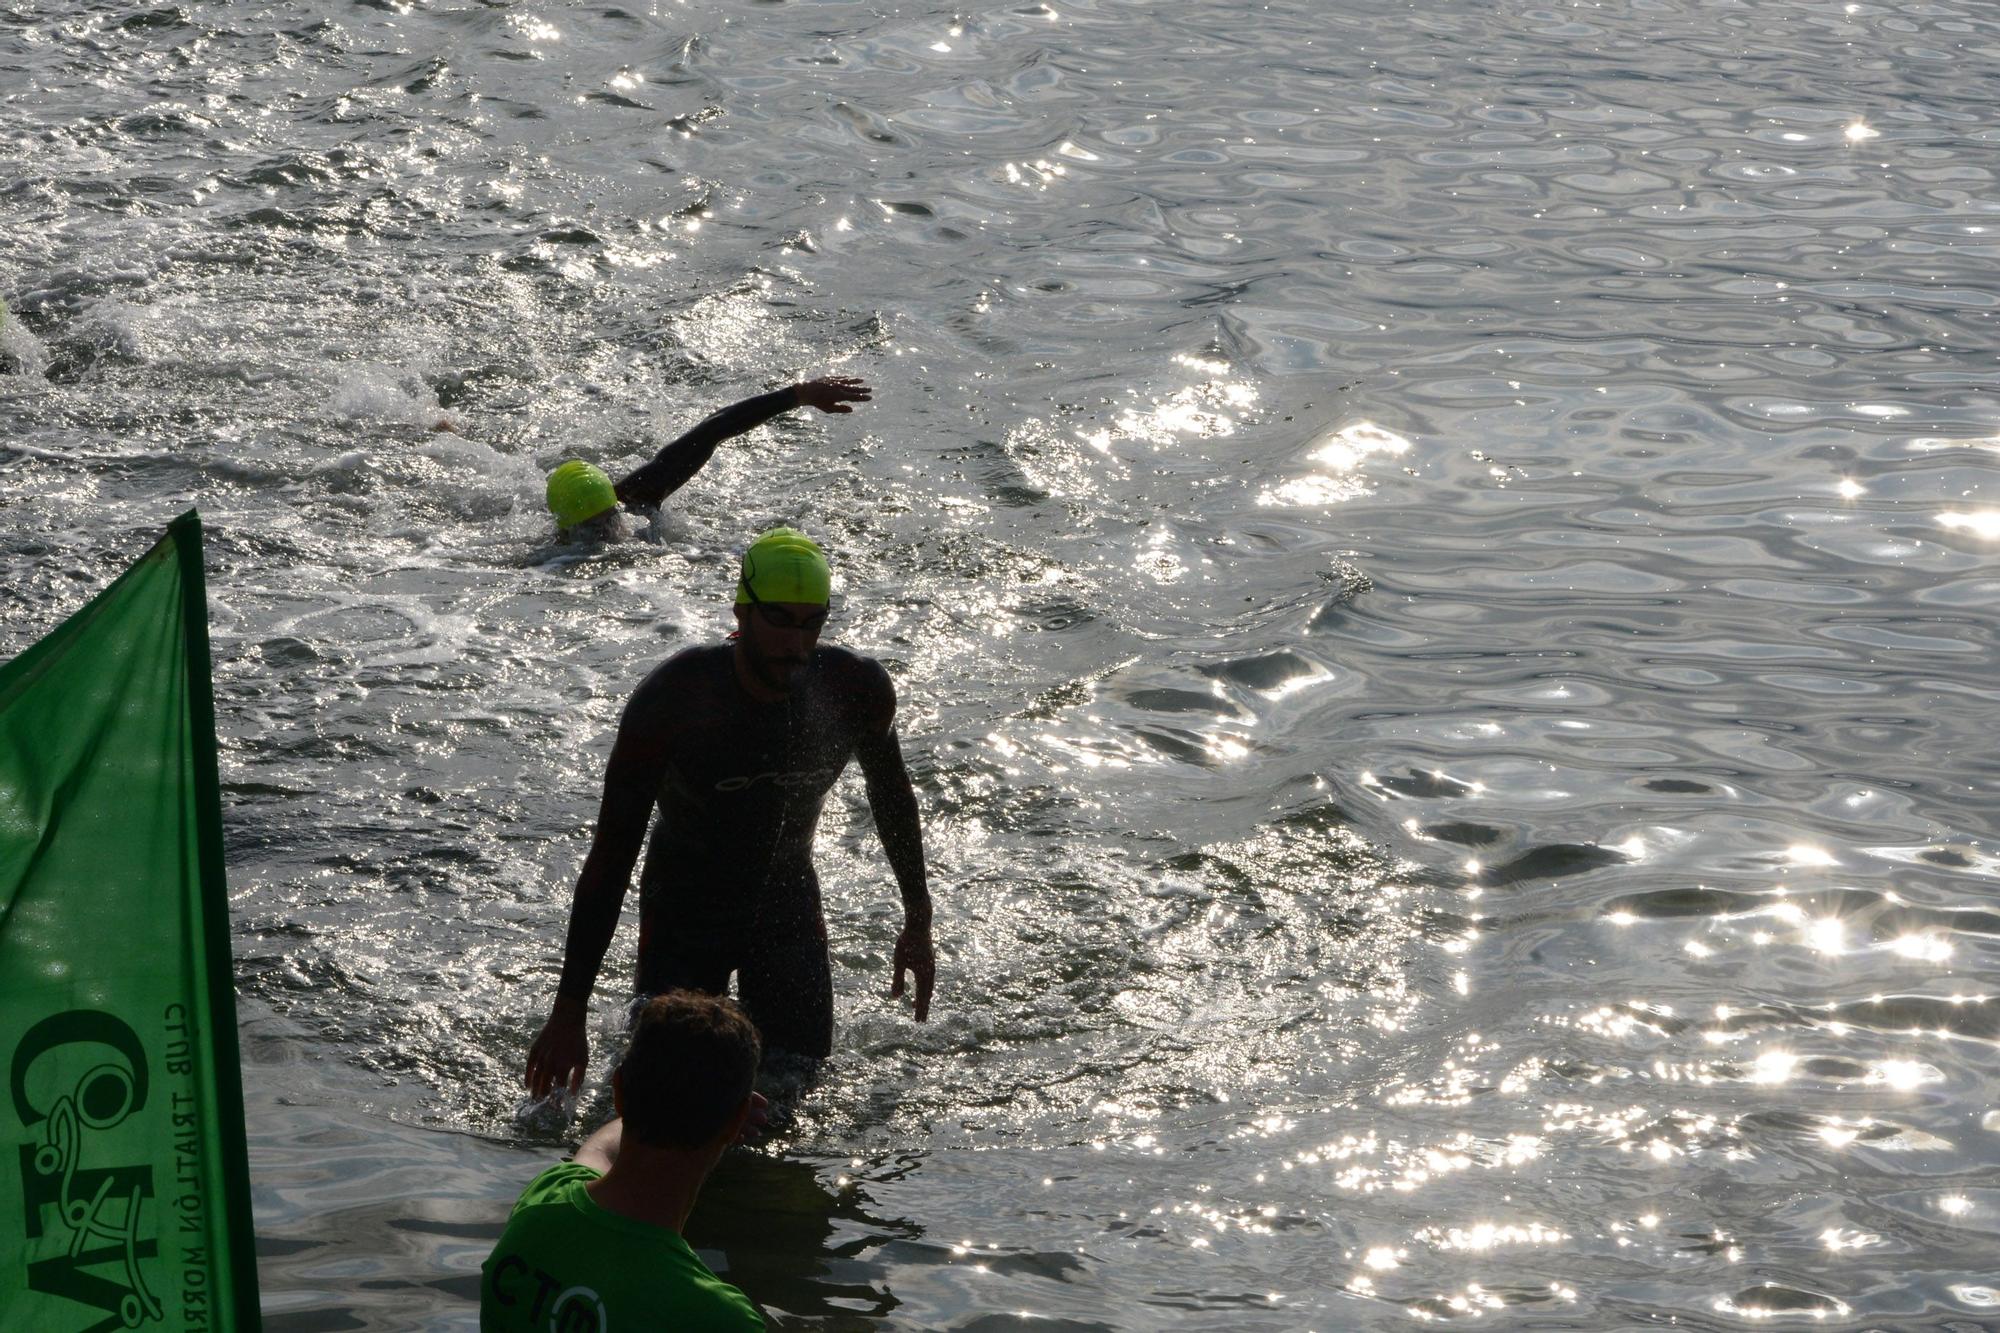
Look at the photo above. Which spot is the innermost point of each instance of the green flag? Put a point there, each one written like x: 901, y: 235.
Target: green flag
x: 124, y: 1196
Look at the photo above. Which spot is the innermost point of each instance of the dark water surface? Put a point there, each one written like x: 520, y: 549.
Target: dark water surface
x: 1440, y: 562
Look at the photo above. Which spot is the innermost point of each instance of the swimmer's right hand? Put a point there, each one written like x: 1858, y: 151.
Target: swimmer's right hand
x: 833, y: 393
x: 561, y: 1053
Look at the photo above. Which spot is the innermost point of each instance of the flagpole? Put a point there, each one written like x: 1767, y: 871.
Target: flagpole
x: 228, y: 1075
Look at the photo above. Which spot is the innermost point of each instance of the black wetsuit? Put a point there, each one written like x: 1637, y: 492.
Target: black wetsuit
x: 728, y: 883
x: 676, y: 463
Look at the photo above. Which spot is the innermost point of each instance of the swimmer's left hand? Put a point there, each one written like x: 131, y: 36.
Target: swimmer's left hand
x: 833, y: 393
x: 915, y: 954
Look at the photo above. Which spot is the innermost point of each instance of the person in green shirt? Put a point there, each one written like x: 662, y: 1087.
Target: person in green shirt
x: 594, y: 1244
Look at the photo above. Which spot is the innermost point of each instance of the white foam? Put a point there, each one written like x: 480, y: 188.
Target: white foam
x: 21, y: 347
x: 386, y: 393
x: 131, y: 331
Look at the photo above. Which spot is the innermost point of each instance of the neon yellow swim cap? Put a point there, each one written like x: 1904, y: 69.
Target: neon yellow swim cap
x: 785, y: 565
x: 579, y: 492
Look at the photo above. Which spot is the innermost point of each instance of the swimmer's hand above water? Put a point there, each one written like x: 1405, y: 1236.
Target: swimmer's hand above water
x: 561, y: 1053
x: 915, y: 955
x: 894, y: 804
x: 677, y: 462
x: 832, y: 394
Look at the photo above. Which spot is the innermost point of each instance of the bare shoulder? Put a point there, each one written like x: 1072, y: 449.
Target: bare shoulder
x: 600, y: 1150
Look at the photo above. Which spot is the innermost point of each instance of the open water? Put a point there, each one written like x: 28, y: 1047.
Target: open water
x: 1440, y: 562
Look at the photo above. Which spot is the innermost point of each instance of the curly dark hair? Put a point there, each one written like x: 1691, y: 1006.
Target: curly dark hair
x: 688, y: 1069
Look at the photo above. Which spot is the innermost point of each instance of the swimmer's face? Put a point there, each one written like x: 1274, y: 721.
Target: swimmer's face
x: 608, y: 526
x: 777, y: 639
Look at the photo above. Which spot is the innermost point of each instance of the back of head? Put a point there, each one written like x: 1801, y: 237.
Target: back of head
x: 578, y: 492
x: 688, y: 1069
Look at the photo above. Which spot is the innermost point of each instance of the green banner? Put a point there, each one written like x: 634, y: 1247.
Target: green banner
x: 124, y: 1195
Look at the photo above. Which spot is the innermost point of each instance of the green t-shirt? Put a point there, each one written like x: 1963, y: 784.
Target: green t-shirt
x: 567, y: 1265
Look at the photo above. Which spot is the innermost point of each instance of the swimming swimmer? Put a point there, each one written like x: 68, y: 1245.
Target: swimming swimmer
x: 738, y: 744
x: 586, y: 503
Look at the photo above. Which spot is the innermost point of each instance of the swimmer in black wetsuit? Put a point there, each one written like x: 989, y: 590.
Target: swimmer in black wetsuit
x: 585, y: 503
x: 737, y: 745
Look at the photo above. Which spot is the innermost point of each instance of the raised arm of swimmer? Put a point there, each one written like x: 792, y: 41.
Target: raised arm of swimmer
x: 562, y: 1051
x: 674, y: 465
x: 894, y: 805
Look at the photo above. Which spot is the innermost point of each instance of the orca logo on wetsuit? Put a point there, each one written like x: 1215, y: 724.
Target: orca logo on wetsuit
x: 803, y: 777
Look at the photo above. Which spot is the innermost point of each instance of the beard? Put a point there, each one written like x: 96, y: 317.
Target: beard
x: 777, y: 673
